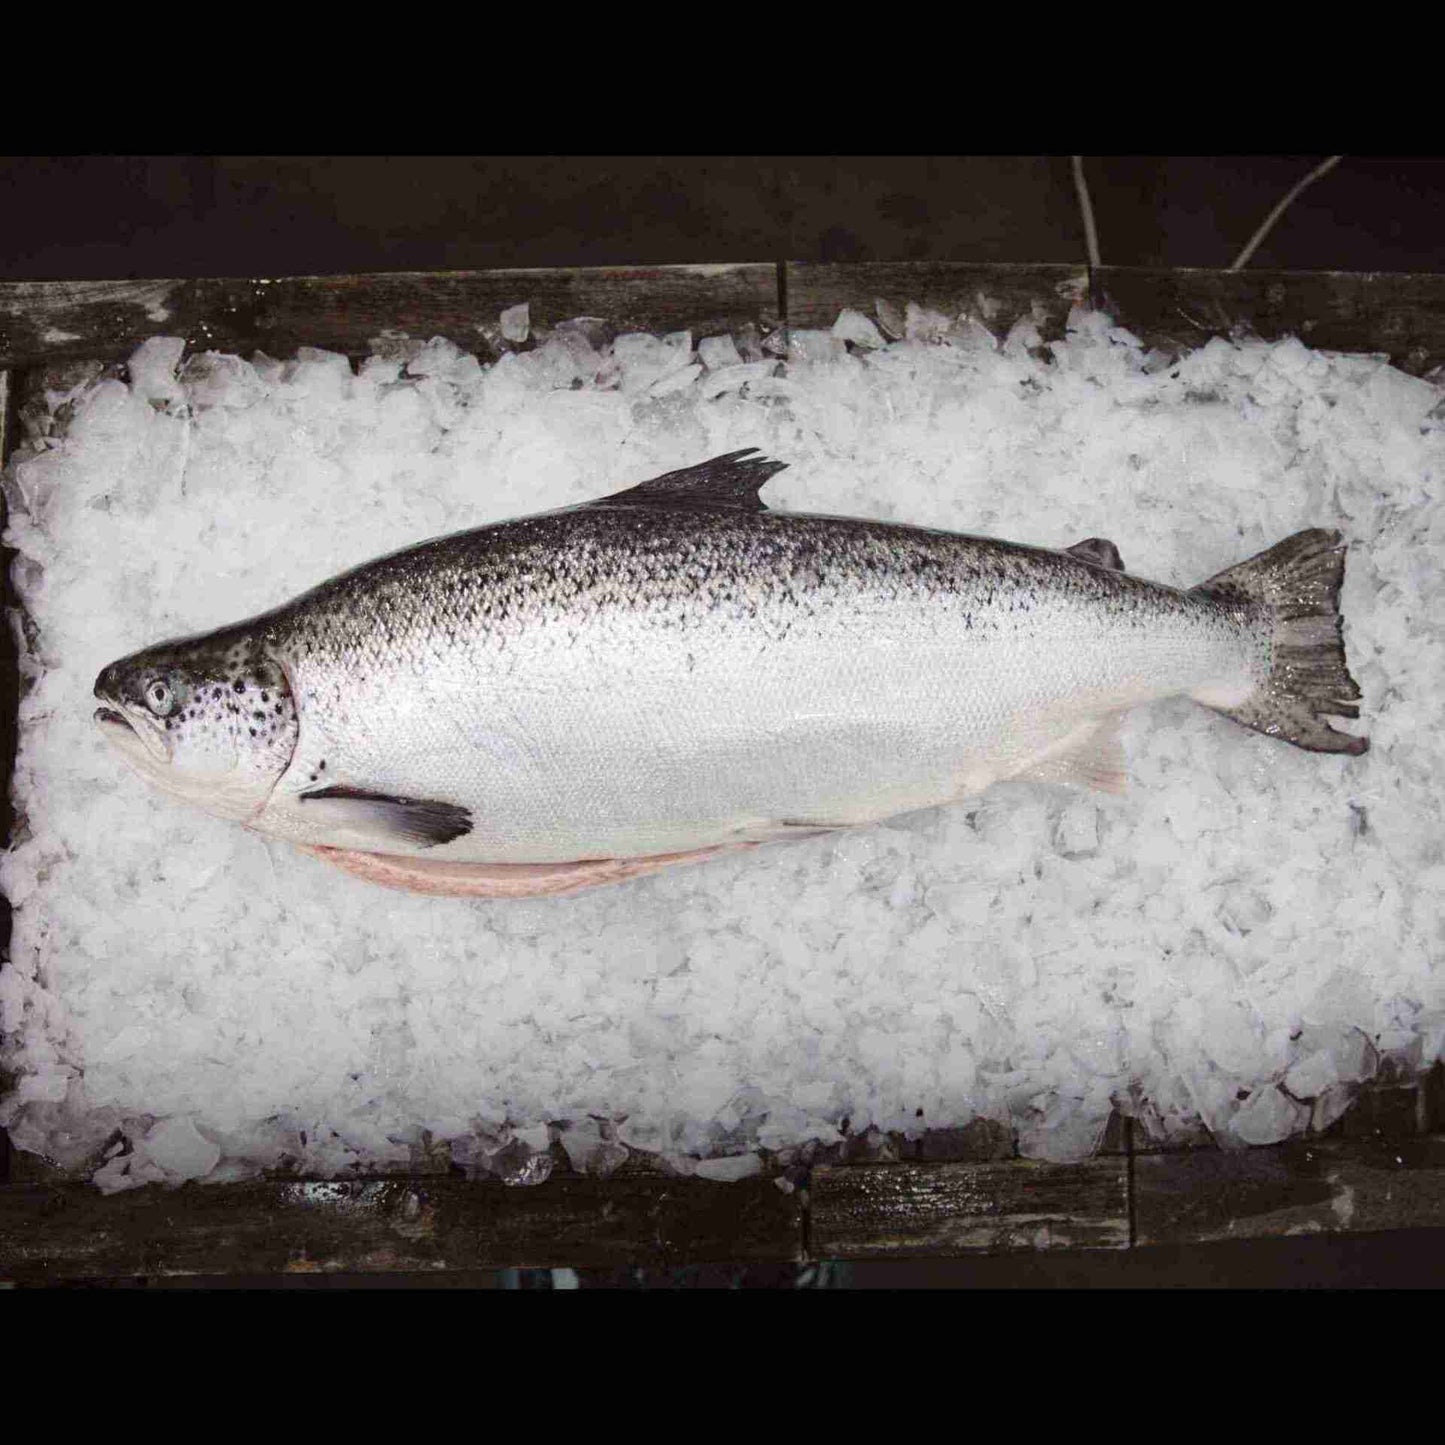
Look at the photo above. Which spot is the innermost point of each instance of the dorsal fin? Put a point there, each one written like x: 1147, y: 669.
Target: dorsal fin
x: 726, y: 481
x: 1098, y: 550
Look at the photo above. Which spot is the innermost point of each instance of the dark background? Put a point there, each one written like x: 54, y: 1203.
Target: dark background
x: 91, y: 217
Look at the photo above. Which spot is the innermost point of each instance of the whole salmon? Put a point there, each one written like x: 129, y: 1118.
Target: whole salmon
x: 592, y: 693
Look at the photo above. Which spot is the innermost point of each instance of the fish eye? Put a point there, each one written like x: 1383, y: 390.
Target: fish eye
x: 159, y: 697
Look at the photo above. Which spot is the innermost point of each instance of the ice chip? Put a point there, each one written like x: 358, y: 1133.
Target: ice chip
x: 516, y: 322
x: 676, y: 381
x: 922, y: 323
x: 729, y: 1168
x: 179, y: 1148
x: 1267, y: 1116
x: 815, y: 346
x: 718, y: 351
x: 152, y: 368
x: 1076, y: 834
x: 734, y: 378
x: 854, y: 326
x: 592, y: 1148
x: 1312, y: 1075
x: 891, y: 319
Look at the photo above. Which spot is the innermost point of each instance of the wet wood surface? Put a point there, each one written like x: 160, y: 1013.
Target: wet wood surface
x: 46, y: 321
x: 55, y: 1232
x: 1320, y: 1186
x: 1397, y: 315
x: 73, y: 1232
x: 1402, y: 316
x: 9, y: 716
x: 895, y: 1210
x: 997, y: 295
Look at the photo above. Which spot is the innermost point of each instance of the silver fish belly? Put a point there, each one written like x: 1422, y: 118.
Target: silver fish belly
x: 677, y: 668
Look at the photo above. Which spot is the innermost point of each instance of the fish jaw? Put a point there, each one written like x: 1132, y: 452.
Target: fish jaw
x: 147, y: 752
x: 139, y: 742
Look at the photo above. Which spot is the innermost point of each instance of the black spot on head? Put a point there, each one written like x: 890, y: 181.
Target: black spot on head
x: 264, y: 697
x: 253, y: 732
x: 278, y: 709
x: 239, y: 685
x: 321, y: 766
x: 217, y: 693
x: 259, y: 715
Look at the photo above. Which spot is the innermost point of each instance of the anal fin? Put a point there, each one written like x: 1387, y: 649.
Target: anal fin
x: 1092, y: 756
x: 446, y: 878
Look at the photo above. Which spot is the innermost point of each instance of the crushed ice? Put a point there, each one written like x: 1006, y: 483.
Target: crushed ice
x: 1238, y: 942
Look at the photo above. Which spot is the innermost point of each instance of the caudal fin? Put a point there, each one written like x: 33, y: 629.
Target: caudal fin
x: 1297, y: 584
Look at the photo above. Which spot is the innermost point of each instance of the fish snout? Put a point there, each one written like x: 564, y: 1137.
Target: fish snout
x: 125, y: 723
x: 107, y: 683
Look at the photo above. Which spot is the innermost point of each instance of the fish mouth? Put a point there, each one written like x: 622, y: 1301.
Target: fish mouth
x: 132, y: 738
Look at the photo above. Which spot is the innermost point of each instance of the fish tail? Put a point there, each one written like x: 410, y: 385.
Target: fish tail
x: 1296, y: 584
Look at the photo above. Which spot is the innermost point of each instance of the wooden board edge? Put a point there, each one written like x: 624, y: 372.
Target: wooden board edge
x: 50, y: 1233
x: 42, y: 322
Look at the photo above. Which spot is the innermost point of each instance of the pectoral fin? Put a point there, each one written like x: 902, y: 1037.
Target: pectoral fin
x: 380, y: 820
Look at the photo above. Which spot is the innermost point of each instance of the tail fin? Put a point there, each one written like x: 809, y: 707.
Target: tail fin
x: 1297, y: 584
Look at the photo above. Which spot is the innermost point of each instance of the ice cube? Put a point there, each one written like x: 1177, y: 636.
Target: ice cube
x: 1267, y: 1116
x: 516, y: 322
x: 676, y: 381
x: 805, y: 345
x: 891, y: 319
x: 854, y: 326
x: 718, y: 351
x: 733, y: 378
x: 1076, y: 834
x: 730, y: 1168
x: 1312, y: 1075
x: 152, y: 367
x: 181, y: 1149
x: 922, y: 323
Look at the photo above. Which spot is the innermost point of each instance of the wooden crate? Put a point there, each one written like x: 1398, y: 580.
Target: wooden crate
x: 1382, y: 1166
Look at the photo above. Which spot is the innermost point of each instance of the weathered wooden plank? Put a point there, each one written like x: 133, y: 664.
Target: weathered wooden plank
x: 1323, y: 1186
x: 1397, y: 1104
x: 1176, y: 309
x: 46, y: 321
x: 1384, y: 1113
x: 9, y: 704
x: 1432, y: 1100
x: 980, y: 1140
x: 974, y: 1142
x: 42, y: 321
x: 879, y: 1210
x: 997, y: 295
x: 73, y: 1232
